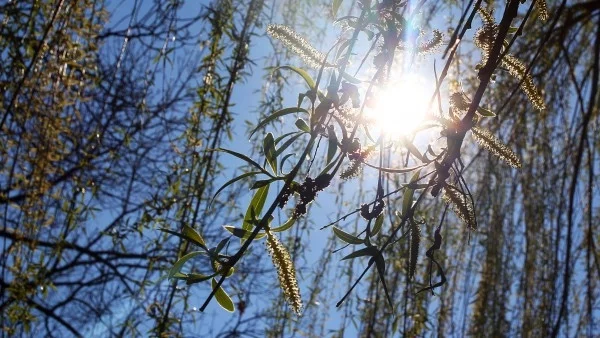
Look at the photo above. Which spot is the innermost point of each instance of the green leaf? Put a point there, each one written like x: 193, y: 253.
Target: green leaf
x: 284, y: 136
x: 413, y: 150
x: 247, y: 159
x: 241, y: 233
x: 269, y: 150
x: 284, y: 159
x: 181, y: 235
x: 335, y: 7
x: 416, y: 186
x: 233, y: 180
x: 407, y: 200
x: 216, y: 250
x: 342, y: 47
x: 262, y: 183
x: 301, y: 124
x: 368, y: 251
x: 395, y: 171
x: 351, y: 78
x: 255, y: 208
x: 230, y: 271
x: 309, y: 81
x: 193, y: 278
x: 333, y: 144
x: 380, y: 264
x: 288, y: 224
x: 222, y: 297
x: 287, y: 143
x: 346, y: 237
x: 276, y: 115
x: 191, y: 233
x: 378, y: 224
x: 180, y: 262
x: 179, y: 275
x: 485, y: 112
x: 330, y: 165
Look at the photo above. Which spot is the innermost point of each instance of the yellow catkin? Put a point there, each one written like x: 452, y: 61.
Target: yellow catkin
x: 496, y: 147
x: 415, y: 241
x: 459, y: 101
x: 298, y: 45
x: 484, y: 39
x: 487, y: 17
x: 485, y: 36
x: 433, y: 44
x: 285, y: 271
x: 352, y: 171
x: 542, y: 8
x: 461, y: 205
x: 518, y: 69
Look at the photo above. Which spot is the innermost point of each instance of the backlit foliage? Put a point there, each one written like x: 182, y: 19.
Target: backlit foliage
x: 126, y: 211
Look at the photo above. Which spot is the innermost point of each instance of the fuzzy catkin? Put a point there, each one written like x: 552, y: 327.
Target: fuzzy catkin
x: 459, y: 101
x: 542, y: 8
x: 285, y: 271
x: 461, y: 205
x: 433, y: 44
x: 352, y: 171
x: 298, y: 45
x: 415, y: 241
x: 518, y: 69
x: 484, y: 39
x: 496, y: 147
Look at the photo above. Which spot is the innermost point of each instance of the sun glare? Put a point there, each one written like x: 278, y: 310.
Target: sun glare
x: 399, y: 109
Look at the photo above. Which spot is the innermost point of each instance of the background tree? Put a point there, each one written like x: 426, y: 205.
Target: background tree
x: 111, y: 111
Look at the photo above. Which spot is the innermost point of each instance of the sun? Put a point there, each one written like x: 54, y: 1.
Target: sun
x: 400, y: 108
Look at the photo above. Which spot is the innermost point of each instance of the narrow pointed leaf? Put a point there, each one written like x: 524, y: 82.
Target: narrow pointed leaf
x: 284, y: 159
x: 222, y: 297
x: 307, y: 78
x: 276, y: 115
x: 393, y: 170
x: 241, y: 233
x: 380, y: 264
x: 351, y: 78
x: 233, y: 180
x: 179, y: 275
x: 179, y: 264
x: 407, y: 200
x: 378, y: 225
x: 288, y: 224
x: 485, y: 112
x: 335, y: 7
x: 368, y: 251
x: 346, y: 237
x: 262, y: 183
x: 220, y: 246
x: 413, y: 150
x: 180, y: 235
x: 193, y: 235
x: 302, y: 125
x: 255, y: 208
x: 246, y: 159
x: 269, y: 150
x: 287, y: 143
x: 193, y: 278
x: 333, y: 144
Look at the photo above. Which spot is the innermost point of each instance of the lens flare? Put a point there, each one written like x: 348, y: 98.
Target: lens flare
x: 400, y: 108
